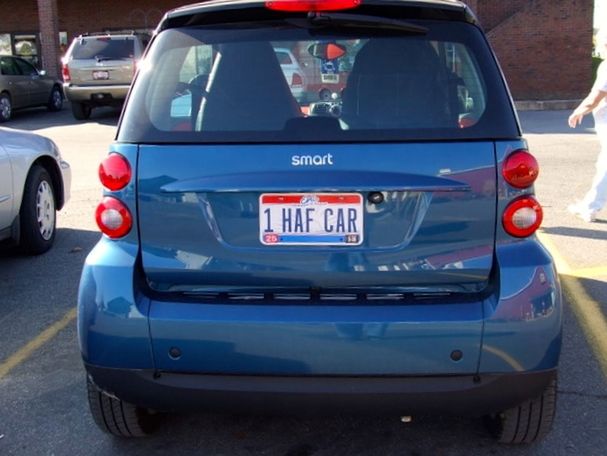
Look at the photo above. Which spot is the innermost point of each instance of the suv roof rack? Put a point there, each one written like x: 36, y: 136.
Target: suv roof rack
x: 113, y: 32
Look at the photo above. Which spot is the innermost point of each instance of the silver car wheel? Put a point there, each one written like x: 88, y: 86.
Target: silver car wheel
x: 45, y: 210
x: 5, y: 108
x: 57, y: 100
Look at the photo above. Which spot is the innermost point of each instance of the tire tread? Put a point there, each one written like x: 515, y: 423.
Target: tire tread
x: 117, y: 417
x: 529, y: 422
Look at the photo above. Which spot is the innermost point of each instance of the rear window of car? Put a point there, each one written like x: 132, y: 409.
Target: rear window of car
x: 8, y: 67
x: 226, y: 84
x: 283, y: 57
x: 111, y: 48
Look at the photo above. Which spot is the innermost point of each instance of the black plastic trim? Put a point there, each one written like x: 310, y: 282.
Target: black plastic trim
x: 469, y: 395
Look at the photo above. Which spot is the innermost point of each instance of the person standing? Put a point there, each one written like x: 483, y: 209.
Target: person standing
x: 595, y: 102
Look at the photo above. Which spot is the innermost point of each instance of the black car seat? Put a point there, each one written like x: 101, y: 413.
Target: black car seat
x: 247, y: 91
x: 397, y: 83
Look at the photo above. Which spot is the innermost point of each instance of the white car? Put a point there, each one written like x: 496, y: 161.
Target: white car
x: 34, y: 184
x: 292, y: 71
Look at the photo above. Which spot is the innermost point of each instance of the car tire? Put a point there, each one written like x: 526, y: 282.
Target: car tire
x: 6, y: 107
x: 55, y: 101
x: 117, y: 417
x: 527, y: 423
x: 81, y: 111
x: 38, y: 213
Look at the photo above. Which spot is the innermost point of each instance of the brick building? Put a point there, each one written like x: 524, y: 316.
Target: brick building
x: 544, y: 46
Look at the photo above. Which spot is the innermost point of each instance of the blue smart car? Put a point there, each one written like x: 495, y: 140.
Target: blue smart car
x: 373, y: 250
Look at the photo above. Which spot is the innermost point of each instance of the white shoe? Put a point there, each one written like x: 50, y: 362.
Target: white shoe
x: 582, y: 212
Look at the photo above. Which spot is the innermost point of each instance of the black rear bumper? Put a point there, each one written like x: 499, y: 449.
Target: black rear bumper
x: 461, y: 395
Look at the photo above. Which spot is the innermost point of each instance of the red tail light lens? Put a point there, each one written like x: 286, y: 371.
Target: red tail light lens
x: 113, y: 218
x: 520, y: 169
x: 522, y: 217
x: 65, y: 72
x: 115, y: 172
x: 311, y: 5
x: 297, y: 80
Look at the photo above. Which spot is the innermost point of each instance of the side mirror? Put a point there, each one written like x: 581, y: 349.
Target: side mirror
x: 327, y: 51
x: 42, y: 72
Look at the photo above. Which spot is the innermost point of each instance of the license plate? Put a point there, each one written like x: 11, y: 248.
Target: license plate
x: 101, y: 75
x: 329, y: 78
x: 311, y: 219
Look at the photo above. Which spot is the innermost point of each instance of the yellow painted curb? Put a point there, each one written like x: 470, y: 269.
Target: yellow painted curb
x: 587, y: 311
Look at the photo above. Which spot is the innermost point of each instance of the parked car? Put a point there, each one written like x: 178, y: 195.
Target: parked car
x: 292, y: 71
x: 24, y: 86
x: 380, y: 257
x: 34, y: 184
x: 98, y: 70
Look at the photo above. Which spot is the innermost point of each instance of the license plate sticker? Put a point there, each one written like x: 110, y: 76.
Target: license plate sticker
x: 311, y: 219
x: 97, y: 75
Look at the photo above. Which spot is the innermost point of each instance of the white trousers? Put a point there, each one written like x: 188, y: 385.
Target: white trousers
x: 596, y: 197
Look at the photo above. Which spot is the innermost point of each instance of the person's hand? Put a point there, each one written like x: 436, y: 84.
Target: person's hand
x: 575, y: 119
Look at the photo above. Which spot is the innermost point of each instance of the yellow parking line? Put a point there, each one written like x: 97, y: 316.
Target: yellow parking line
x: 589, y: 273
x: 561, y: 264
x: 26, y: 351
x: 587, y: 310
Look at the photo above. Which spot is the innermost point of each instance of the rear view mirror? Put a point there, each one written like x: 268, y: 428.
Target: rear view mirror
x: 327, y: 51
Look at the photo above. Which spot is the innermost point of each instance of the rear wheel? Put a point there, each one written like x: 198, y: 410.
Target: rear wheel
x: 6, y: 107
x: 55, y: 101
x: 527, y: 423
x: 81, y: 111
x: 117, y: 417
x: 38, y: 212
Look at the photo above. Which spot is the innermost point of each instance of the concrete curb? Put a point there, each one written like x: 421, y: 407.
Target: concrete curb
x: 546, y: 105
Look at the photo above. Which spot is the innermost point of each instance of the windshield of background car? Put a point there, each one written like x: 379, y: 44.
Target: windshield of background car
x: 103, y: 47
x: 226, y: 84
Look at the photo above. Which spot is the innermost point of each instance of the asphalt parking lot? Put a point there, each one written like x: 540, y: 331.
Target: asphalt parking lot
x: 43, y: 409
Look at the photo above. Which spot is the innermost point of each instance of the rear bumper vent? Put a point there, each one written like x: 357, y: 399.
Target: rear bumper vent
x: 312, y: 297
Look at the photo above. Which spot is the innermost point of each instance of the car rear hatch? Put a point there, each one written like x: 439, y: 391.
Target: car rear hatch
x: 102, y: 60
x: 378, y: 218
x: 269, y: 235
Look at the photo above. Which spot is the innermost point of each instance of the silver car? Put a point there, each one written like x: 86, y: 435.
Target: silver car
x: 24, y: 86
x: 34, y: 184
x: 293, y: 72
x: 98, y: 70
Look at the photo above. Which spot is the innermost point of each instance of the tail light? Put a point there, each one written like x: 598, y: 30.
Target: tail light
x: 297, y: 80
x: 113, y: 218
x: 311, y: 5
x: 520, y: 169
x: 65, y: 72
x: 115, y: 172
x: 522, y: 217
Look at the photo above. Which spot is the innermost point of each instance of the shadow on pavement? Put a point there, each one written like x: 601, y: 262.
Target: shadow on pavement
x: 40, y: 118
x: 553, y: 122
x: 68, y: 241
x: 597, y: 289
x: 578, y: 232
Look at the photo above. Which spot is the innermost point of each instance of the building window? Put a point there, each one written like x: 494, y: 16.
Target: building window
x: 5, y: 44
x: 26, y: 47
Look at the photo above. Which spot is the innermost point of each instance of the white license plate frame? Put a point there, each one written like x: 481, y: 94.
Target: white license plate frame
x: 101, y: 75
x: 312, y: 219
